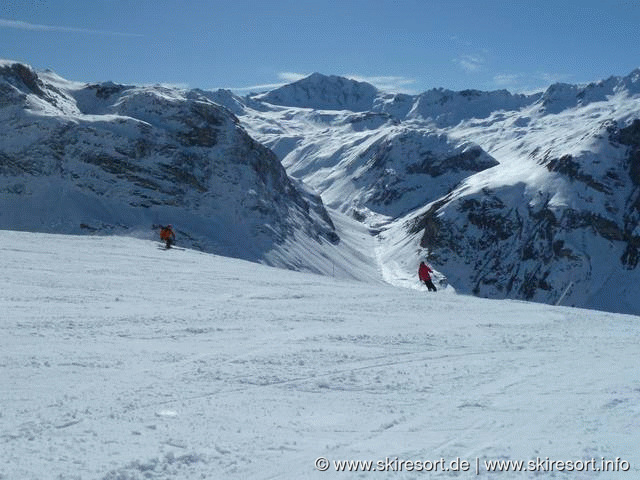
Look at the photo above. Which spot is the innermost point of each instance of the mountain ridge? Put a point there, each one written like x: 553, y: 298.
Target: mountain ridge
x: 425, y: 104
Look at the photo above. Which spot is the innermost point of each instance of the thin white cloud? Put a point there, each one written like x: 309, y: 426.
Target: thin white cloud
x: 555, y: 77
x: 20, y: 25
x: 388, y: 83
x: 290, y: 77
x: 286, y: 77
x: 470, y: 63
x: 528, y: 83
x: 507, y: 79
x: 256, y: 88
x: 396, y: 84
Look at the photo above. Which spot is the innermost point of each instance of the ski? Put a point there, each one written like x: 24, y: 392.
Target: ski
x: 163, y: 247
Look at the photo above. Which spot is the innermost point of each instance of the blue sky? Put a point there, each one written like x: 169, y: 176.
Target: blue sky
x: 401, y: 45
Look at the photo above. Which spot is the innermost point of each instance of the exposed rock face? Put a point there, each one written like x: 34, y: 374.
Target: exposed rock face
x: 630, y: 137
x: 521, y: 196
x: 365, y: 163
x: 111, y: 157
x: 448, y: 108
x: 410, y: 168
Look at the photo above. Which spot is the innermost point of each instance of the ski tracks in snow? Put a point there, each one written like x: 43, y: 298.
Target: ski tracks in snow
x: 120, y: 361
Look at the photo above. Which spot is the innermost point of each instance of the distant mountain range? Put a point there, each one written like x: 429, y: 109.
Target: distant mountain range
x: 534, y: 197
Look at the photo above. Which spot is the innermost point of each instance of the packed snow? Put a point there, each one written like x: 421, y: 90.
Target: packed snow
x: 121, y: 360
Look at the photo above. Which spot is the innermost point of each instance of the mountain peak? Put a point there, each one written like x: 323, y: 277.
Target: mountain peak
x: 324, y: 92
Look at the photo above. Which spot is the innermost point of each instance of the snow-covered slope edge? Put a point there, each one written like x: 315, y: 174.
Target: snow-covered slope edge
x: 114, y: 369
x: 107, y: 158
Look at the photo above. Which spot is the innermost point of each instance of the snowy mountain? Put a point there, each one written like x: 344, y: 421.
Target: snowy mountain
x: 447, y: 108
x: 560, y: 214
x: 224, y: 369
x: 532, y: 197
x: 510, y: 196
x: 321, y: 92
x: 567, y: 222
x: 115, y: 158
x: 368, y: 163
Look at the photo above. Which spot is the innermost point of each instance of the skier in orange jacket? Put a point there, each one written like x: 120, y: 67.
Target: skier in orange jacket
x: 167, y: 235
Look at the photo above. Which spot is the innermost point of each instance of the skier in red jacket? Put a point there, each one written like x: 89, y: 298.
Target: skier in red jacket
x: 423, y: 275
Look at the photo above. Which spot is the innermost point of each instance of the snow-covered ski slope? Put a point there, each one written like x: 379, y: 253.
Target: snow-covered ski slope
x: 119, y: 360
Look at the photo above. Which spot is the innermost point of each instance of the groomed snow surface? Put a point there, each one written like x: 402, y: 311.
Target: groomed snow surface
x: 119, y: 360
